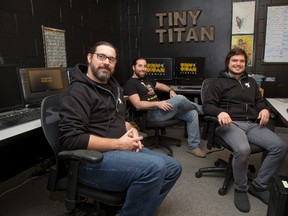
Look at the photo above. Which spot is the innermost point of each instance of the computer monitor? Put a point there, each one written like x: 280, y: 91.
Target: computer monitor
x: 189, y: 70
x: 159, y: 68
x: 10, y: 93
x: 38, y: 83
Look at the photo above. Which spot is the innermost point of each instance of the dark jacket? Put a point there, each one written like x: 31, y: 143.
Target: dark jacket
x: 89, y: 108
x: 241, y: 99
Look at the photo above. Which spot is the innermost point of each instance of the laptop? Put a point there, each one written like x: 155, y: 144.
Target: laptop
x: 12, y: 106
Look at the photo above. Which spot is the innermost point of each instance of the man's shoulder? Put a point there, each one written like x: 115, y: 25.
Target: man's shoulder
x: 131, y: 81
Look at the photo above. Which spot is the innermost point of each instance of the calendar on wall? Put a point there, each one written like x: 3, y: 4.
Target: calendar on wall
x: 276, y: 38
x: 54, y: 47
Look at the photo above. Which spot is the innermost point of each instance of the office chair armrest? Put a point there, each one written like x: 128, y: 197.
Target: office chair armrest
x: 211, y: 119
x: 89, y: 156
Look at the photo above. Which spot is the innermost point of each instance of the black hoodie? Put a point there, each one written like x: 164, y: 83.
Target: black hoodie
x: 241, y: 99
x: 89, y: 108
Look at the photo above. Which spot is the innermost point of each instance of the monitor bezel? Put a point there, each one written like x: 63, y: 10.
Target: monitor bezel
x: 30, y: 97
x: 159, y: 78
x: 19, y: 105
x: 189, y: 77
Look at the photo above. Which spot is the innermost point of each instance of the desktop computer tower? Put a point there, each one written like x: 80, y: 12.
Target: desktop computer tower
x: 278, y: 204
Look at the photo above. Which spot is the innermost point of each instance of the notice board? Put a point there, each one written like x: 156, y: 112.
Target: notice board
x: 276, y: 38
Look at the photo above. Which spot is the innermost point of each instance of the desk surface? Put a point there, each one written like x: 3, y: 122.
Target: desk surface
x: 280, y: 105
x: 179, y: 89
x: 19, y: 129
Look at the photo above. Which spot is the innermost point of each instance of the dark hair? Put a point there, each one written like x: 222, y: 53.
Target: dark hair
x: 93, y: 48
x: 233, y: 52
x: 136, y: 59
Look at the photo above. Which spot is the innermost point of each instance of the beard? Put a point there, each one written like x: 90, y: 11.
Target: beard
x: 139, y: 74
x: 102, y: 73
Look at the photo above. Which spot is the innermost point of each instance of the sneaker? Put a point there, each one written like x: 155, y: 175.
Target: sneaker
x: 197, y: 152
x: 262, y: 194
x: 241, y: 201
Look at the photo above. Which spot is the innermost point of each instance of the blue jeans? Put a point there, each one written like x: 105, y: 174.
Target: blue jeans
x: 238, y: 135
x: 147, y: 176
x: 185, y: 110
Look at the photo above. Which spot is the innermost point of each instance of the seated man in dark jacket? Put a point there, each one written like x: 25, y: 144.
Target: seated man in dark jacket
x: 92, y: 114
x: 236, y: 101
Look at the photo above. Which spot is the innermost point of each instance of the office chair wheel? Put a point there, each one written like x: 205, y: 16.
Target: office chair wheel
x: 222, y: 191
x: 198, y: 174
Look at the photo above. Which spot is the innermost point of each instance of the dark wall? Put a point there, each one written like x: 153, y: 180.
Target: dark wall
x: 212, y: 50
x: 84, y: 22
x: 130, y: 25
x: 144, y: 41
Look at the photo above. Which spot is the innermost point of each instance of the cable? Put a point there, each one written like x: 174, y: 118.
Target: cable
x: 31, y: 178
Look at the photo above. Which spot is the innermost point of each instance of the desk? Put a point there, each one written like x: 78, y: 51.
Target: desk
x: 19, y: 129
x: 187, y: 92
x: 279, y: 106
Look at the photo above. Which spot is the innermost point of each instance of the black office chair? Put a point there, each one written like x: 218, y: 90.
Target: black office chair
x: 158, y: 139
x: 215, y: 141
x: 63, y: 175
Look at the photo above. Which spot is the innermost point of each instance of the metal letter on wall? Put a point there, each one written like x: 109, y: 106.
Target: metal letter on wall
x: 54, y: 47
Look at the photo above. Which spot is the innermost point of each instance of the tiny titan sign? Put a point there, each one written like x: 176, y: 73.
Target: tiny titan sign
x: 175, y: 27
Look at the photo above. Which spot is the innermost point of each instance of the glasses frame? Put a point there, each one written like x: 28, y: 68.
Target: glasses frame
x: 103, y: 57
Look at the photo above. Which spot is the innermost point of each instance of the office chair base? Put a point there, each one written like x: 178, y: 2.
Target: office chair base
x: 162, y: 141
x: 224, y: 167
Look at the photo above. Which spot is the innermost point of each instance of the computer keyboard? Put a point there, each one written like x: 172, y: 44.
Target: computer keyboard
x: 19, y: 117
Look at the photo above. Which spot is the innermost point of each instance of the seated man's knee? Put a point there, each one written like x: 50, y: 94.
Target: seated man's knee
x: 242, y: 152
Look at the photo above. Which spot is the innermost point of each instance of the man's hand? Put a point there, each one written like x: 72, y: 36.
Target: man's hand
x: 131, y: 141
x: 165, y: 105
x: 224, y: 118
x: 264, y: 116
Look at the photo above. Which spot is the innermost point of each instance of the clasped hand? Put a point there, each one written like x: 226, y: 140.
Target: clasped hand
x: 131, y: 141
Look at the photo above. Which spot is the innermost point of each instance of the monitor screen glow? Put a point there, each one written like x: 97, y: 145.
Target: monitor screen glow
x: 189, y: 67
x: 38, y: 83
x: 159, y: 68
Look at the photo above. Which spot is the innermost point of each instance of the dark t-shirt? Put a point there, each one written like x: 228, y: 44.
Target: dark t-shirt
x: 143, y: 87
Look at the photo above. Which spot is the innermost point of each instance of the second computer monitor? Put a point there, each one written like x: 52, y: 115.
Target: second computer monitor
x: 159, y: 68
x: 38, y: 83
x: 190, y: 70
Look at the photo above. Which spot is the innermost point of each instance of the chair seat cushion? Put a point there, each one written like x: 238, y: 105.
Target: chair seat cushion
x: 110, y: 197
x: 160, y: 124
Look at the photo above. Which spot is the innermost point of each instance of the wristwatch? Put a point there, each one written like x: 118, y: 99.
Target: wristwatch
x: 171, y: 89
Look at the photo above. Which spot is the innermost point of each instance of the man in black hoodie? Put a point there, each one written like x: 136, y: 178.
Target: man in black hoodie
x: 92, y: 114
x: 242, y: 114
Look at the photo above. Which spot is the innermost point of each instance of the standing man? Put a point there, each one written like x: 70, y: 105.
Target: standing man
x: 242, y: 114
x: 141, y: 92
x: 92, y: 113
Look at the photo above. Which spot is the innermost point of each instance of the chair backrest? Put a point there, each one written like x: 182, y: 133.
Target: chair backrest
x: 204, y: 88
x: 50, y: 121
x: 50, y: 125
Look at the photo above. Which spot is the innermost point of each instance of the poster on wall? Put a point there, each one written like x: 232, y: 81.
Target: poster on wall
x: 276, y: 38
x: 243, y: 17
x: 54, y: 47
x: 244, y: 42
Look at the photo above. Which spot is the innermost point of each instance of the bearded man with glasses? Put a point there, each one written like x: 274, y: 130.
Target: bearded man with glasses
x: 92, y: 113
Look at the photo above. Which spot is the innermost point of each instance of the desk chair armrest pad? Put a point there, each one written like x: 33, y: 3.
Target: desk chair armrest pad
x: 89, y: 156
x: 211, y: 119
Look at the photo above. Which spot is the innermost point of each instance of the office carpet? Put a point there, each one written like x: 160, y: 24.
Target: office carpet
x: 190, y: 196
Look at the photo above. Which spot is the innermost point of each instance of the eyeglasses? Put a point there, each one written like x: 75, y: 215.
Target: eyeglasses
x: 103, y: 57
